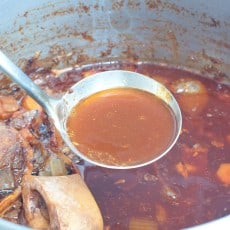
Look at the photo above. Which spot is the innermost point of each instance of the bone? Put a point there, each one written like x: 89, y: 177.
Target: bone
x: 69, y: 203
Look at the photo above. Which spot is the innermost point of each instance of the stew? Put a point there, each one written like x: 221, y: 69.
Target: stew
x: 189, y: 186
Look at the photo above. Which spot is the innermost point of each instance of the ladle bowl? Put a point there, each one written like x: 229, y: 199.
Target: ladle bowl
x: 59, y: 109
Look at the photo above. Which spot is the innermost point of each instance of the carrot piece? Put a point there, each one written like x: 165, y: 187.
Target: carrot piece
x: 223, y: 173
x: 7, y: 202
x: 184, y: 169
x: 30, y: 104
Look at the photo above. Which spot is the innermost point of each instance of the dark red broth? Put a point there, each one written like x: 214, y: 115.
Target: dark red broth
x: 191, y: 184
x: 187, y: 187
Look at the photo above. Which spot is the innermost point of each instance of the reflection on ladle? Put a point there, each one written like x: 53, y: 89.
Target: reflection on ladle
x: 85, y: 90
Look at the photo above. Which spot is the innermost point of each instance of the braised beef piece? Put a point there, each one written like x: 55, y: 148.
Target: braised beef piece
x: 12, y: 157
x: 15, y: 161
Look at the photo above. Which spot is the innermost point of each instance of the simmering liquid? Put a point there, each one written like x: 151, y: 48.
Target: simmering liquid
x: 187, y: 187
x: 121, y: 126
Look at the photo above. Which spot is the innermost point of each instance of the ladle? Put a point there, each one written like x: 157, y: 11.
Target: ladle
x: 59, y: 109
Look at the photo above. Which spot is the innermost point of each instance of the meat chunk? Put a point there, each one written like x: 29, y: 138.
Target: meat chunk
x: 15, y: 161
x: 65, y: 203
x: 12, y: 152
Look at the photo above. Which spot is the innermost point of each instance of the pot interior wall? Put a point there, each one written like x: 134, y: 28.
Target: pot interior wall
x: 193, y: 35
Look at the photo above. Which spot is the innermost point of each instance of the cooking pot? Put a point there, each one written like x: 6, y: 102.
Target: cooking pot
x: 187, y: 34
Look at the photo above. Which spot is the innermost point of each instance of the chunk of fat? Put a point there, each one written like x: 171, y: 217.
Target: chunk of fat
x: 191, y: 95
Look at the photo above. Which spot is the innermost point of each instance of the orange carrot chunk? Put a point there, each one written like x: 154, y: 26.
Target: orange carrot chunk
x: 30, y: 104
x: 223, y: 173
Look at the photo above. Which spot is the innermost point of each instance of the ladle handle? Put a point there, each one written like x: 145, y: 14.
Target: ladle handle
x: 18, y: 76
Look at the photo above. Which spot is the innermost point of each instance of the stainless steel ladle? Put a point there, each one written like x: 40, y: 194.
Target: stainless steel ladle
x: 59, y: 109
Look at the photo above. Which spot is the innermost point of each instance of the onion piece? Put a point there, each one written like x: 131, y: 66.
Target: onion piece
x: 57, y: 167
x: 54, y: 167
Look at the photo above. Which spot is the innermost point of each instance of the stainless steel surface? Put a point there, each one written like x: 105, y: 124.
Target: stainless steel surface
x: 193, y: 35
x: 188, y: 34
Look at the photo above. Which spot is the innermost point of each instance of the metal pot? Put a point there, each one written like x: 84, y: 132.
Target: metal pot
x: 188, y: 34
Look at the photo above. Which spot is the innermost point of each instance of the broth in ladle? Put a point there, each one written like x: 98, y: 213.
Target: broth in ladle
x: 122, y: 126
